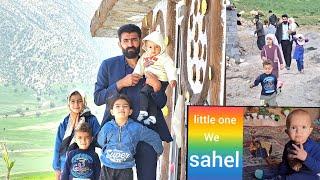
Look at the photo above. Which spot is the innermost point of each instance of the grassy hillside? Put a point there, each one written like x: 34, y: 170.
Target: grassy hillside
x: 14, y: 97
x: 30, y: 140
x: 49, y: 43
x: 20, y: 99
x: 306, y: 12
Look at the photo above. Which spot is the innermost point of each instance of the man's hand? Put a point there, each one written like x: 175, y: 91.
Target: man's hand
x: 153, y: 81
x: 281, y: 66
x: 298, y: 152
x: 173, y: 83
x: 128, y: 80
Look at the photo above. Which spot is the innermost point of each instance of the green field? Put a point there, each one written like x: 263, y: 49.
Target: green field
x: 34, y: 176
x: 18, y: 99
x: 33, y: 138
x: 13, y: 97
x: 30, y: 138
x: 305, y: 12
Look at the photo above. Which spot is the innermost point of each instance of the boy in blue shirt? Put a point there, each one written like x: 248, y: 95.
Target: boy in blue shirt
x: 269, y: 85
x: 84, y: 162
x: 119, y: 138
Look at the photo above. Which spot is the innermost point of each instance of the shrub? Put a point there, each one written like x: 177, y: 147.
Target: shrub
x: 52, y: 105
x: 19, y: 110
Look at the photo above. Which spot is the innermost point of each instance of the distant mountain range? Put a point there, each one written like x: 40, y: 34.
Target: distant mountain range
x: 49, y: 42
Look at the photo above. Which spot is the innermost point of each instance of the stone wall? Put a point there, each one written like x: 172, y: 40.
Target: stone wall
x: 232, y: 43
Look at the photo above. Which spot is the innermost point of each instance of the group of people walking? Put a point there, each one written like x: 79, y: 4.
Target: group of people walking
x: 275, y: 40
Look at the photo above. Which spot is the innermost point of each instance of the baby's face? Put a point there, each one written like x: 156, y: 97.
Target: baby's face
x: 152, y: 48
x: 299, y: 128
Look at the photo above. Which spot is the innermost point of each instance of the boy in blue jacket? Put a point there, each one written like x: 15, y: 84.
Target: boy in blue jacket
x: 84, y: 162
x: 79, y: 113
x: 119, y: 138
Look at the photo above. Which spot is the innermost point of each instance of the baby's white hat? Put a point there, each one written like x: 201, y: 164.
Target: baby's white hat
x: 157, y: 38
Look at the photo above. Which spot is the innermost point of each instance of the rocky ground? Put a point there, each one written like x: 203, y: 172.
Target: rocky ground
x: 300, y: 90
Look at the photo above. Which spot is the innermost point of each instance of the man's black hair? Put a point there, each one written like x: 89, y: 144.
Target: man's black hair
x: 285, y: 15
x: 129, y: 28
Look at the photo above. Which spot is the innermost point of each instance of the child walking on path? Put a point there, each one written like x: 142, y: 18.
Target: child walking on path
x: 157, y: 62
x: 272, y: 52
x: 268, y: 83
x: 82, y: 163
x: 299, y: 51
x: 79, y: 113
x: 119, y: 138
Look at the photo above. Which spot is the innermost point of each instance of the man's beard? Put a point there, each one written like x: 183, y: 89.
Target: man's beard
x: 285, y: 22
x: 131, y: 52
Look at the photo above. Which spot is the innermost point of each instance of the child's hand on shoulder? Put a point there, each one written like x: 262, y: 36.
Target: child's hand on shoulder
x: 251, y: 85
x: 173, y: 83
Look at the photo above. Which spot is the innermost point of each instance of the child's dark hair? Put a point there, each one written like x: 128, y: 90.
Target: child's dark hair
x: 120, y: 96
x: 129, y: 28
x: 83, y: 127
x: 266, y: 63
x: 296, y: 112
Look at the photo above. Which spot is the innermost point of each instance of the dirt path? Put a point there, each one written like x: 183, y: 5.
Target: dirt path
x: 302, y: 90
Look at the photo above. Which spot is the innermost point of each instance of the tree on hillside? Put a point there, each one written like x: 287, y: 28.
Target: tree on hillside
x: 38, y: 114
x: 52, y: 105
x: 19, y: 110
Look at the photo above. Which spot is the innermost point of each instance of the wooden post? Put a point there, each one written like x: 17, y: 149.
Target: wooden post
x: 146, y: 24
x: 184, y: 33
x: 215, y: 38
x: 170, y: 33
